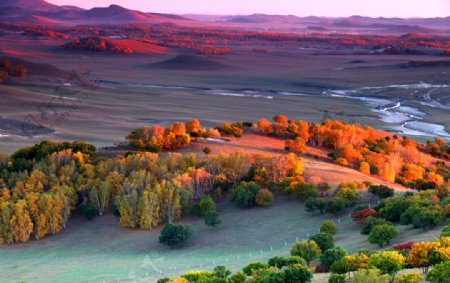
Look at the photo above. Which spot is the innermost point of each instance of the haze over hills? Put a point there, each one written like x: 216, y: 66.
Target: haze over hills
x: 40, y: 11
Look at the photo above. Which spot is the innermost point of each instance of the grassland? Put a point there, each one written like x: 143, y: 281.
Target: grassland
x: 106, y: 113
x: 101, y: 251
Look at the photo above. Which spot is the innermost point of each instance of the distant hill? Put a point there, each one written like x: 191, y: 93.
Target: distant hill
x: 324, y: 24
x: 40, y: 11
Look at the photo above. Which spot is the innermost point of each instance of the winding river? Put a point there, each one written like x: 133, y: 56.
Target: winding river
x: 399, y: 117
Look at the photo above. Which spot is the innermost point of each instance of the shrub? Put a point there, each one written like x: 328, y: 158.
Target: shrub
x: 340, y: 266
x: 332, y: 255
x: 440, y: 273
x: 238, y: 277
x: 342, y: 161
x: 304, y: 191
x: 313, y: 204
x: 248, y: 270
x: 370, y: 276
x: 336, y: 278
x: 409, y: 277
x: 323, y: 240
x: 446, y: 231
x: 381, y: 234
x: 88, y: 211
x: 204, y: 206
x: 370, y: 223
x: 361, y: 216
x: 406, y: 246
x: 244, y: 194
x: 381, y: 191
x: 336, y: 205
x: 212, y: 218
x: 329, y: 227
x: 351, y: 195
x: 174, y: 235
x: 297, y: 274
x: 206, y: 150
x: 221, y: 272
x: 264, y: 197
x: 308, y: 250
x: 388, y: 262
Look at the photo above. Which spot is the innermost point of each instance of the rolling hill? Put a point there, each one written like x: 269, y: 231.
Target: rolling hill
x: 40, y: 11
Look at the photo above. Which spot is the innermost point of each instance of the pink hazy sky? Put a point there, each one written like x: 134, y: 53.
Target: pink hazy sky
x: 329, y: 8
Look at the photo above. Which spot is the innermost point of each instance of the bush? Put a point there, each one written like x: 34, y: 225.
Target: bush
x: 361, y: 216
x: 332, y: 255
x: 388, y: 262
x: 323, y: 240
x: 446, y: 231
x: 370, y: 276
x: 409, y: 277
x: 381, y: 234
x: 440, y: 273
x: 264, y: 197
x: 297, y: 274
x: 206, y: 150
x: 351, y: 195
x: 248, y: 270
x: 304, y: 191
x: 381, y: 191
x: 308, y: 250
x: 336, y: 205
x: 371, y: 222
x: 174, y: 235
x: 212, y: 219
x: 244, y: 194
x: 313, y: 204
x: 329, y: 227
x: 204, y: 206
x: 336, y: 278
x: 281, y: 262
x: 238, y: 277
x: 340, y: 266
x: 88, y: 211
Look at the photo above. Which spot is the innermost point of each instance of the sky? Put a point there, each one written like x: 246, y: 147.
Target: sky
x: 327, y: 8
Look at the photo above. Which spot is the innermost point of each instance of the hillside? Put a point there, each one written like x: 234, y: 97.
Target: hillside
x: 40, y: 11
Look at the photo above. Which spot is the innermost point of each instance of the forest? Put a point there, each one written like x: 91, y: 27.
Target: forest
x: 44, y: 186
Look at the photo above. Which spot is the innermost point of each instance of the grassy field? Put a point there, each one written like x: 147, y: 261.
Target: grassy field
x: 101, y: 251
x: 107, y: 113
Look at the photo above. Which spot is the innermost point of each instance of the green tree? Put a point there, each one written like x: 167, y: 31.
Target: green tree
x: 445, y: 232
x: 308, y: 250
x: 409, y: 277
x: 297, y: 274
x: 332, y: 255
x: 238, y: 277
x: 323, y: 240
x: 388, y: 262
x: 212, y: 219
x: 336, y: 205
x: 174, y: 235
x: 88, y: 211
x: 427, y: 217
x: 381, y: 234
x: 329, y: 227
x: 305, y: 191
x: 244, y: 194
x: 221, y: 272
x: 440, y: 273
x: 371, y: 222
x: 336, y: 278
x: 248, y: 270
x: 370, y: 276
